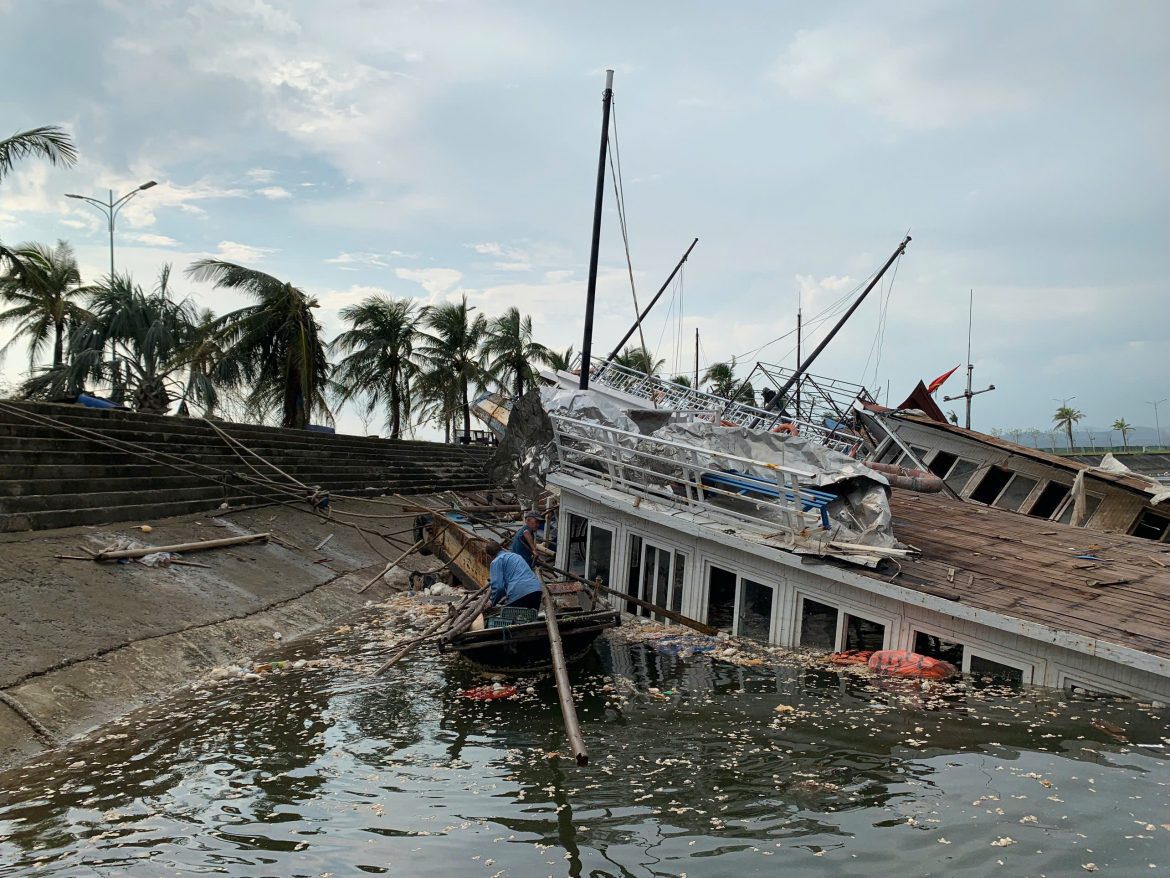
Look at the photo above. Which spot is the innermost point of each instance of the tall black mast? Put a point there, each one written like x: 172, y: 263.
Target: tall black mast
x: 591, y: 293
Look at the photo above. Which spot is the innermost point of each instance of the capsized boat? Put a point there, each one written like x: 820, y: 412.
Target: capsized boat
x: 512, y: 639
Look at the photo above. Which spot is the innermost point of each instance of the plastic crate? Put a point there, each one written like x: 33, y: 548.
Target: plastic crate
x: 512, y: 616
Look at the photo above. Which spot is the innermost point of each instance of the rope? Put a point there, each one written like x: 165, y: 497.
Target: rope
x: 619, y: 190
x: 33, y: 723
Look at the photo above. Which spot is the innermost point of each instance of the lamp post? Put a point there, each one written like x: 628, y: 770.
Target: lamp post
x: 1157, y: 425
x: 110, y: 209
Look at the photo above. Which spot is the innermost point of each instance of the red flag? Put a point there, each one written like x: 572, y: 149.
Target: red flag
x: 940, y: 380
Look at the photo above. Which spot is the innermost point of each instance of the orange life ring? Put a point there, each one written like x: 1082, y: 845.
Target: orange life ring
x: 790, y: 429
x: 904, y: 663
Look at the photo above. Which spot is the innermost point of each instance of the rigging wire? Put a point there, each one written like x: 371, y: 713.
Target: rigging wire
x: 619, y: 191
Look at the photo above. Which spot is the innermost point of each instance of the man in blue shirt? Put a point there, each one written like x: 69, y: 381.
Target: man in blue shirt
x: 524, y: 543
x: 512, y: 582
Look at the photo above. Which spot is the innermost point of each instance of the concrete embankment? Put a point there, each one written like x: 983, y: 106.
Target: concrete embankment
x: 85, y: 642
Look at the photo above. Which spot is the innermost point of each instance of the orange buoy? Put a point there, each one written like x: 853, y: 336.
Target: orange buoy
x: 790, y: 429
x: 904, y: 663
x: 851, y: 657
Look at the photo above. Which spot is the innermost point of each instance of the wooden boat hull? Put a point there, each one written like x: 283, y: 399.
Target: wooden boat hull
x: 525, y: 647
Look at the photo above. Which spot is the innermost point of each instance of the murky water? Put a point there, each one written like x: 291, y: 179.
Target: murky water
x: 303, y: 773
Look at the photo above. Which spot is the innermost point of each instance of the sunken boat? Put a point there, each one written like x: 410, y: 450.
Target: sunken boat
x: 511, y: 638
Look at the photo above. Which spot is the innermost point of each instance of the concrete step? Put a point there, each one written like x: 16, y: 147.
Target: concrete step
x: 113, y: 422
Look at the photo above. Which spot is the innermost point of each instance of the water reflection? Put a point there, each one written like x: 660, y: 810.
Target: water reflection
x: 312, y: 771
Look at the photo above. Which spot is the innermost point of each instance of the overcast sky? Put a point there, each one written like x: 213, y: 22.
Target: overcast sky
x: 431, y: 149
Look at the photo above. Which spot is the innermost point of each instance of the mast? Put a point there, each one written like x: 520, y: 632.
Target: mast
x: 803, y: 367
x: 591, y: 290
x: 658, y: 295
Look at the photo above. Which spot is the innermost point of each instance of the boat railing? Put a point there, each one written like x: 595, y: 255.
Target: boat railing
x: 699, y: 480
x: 703, y: 405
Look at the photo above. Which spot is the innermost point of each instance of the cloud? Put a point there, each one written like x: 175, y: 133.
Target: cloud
x: 917, y: 78
x: 232, y: 251
x: 510, y: 258
x: 274, y: 193
x: 150, y: 239
x: 261, y: 175
x: 438, y: 282
x: 350, y: 259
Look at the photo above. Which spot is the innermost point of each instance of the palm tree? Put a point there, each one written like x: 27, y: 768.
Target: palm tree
x: 639, y: 360
x: 1124, y: 429
x: 1065, y: 417
x: 276, y: 343
x: 40, y: 284
x: 451, y: 354
x: 721, y: 381
x: 510, y: 352
x: 684, y: 380
x: 379, y: 344
x: 562, y: 361
x: 132, y: 341
x: 48, y: 142
x: 210, y: 372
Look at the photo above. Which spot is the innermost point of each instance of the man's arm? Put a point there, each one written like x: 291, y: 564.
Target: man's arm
x: 496, y: 582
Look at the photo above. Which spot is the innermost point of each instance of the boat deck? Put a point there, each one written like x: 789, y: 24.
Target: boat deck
x: 1032, y: 569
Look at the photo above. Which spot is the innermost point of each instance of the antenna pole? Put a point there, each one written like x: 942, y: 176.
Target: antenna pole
x: 798, y: 334
x: 968, y: 394
x: 591, y: 290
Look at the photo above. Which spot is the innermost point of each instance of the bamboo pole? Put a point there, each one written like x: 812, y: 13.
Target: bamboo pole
x: 410, y: 647
x: 120, y: 554
x: 654, y: 608
x: 390, y: 565
x: 561, y: 674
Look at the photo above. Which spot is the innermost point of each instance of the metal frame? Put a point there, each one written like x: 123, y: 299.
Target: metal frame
x: 664, y: 394
x: 633, y: 464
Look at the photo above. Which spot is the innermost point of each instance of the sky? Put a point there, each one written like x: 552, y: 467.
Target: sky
x: 438, y: 149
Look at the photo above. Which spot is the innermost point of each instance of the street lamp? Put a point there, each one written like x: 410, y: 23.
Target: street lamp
x: 1157, y: 425
x: 110, y: 209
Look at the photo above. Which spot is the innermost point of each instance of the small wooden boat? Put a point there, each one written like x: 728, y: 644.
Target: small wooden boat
x: 512, y: 640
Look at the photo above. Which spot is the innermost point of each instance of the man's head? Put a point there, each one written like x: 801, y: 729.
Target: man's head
x: 492, y: 548
x: 532, y: 520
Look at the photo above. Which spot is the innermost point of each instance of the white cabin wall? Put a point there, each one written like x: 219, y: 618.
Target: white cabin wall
x: 1046, y: 664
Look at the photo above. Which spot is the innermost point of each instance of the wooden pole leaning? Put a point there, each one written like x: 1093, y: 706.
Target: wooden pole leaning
x: 561, y: 675
x: 122, y: 554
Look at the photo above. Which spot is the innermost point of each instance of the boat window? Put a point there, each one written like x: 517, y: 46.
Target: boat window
x: 720, y: 598
x: 959, y: 474
x: 986, y: 670
x: 937, y: 647
x: 1091, y: 504
x: 661, y: 579
x: 1091, y: 690
x: 1048, y: 501
x: 634, y: 577
x: 649, y: 565
x: 941, y: 463
x: 600, y: 554
x: 863, y: 633
x: 755, y: 611
x: 818, y: 625
x: 920, y: 453
x: 680, y: 577
x: 578, y: 537
x: 1016, y: 493
x: 1151, y: 526
x: 989, y: 487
